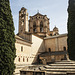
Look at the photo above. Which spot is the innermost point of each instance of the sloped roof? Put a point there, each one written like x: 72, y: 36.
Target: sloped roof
x: 38, y: 14
x: 55, y: 27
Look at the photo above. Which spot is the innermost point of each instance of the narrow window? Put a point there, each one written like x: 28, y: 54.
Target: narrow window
x: 21, y: 48
x: 34, y: 27
x: 41, y: 26
x: 49, y: 49
x: 64, y: 48
x: 23, y: 59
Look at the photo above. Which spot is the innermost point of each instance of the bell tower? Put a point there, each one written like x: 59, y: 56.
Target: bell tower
x: 39, y: 25
x: 23, y: 20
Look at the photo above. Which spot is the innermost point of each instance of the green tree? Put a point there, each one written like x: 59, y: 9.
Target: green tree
x: 7, y: 39
x: 71, y: 29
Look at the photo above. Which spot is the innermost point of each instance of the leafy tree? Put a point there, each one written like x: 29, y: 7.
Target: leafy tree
x: 71, y: 29
x: 7, y: 39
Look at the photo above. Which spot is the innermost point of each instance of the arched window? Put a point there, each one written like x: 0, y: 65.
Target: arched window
x: 41, y: 26
x: 34, y: 27
x: 64, y: 48
x: 49, y: 49
x: 50, y: 34
x: 19, y: 59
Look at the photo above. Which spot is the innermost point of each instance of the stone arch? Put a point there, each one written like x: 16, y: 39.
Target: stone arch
x: 19, y: 59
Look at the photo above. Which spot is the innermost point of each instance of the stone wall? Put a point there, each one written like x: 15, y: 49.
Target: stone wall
x: 55, y: 49
x: 56, y: 43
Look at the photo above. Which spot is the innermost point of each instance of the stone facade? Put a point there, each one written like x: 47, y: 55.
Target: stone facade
x: 37, y: 45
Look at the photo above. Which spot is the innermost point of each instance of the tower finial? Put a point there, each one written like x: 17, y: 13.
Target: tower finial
x: 37, y: 11
x: 23, y: 5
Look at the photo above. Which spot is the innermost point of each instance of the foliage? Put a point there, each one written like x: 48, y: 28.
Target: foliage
x: 71, y: 29
x: 7, y: 39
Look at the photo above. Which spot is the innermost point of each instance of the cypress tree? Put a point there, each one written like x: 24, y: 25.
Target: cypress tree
x: 71, y: 29
x: 7, y: 39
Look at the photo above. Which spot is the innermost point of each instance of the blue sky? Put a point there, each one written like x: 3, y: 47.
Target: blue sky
x: 56, y: 10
